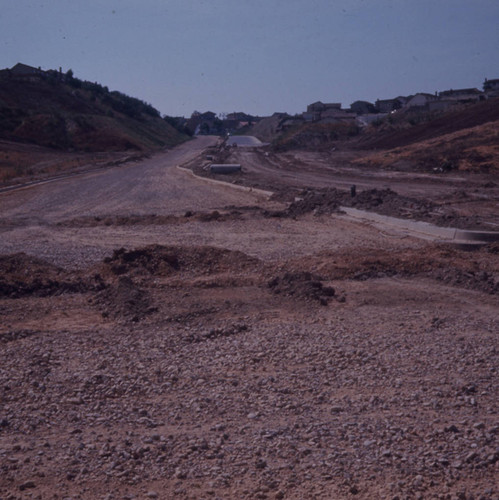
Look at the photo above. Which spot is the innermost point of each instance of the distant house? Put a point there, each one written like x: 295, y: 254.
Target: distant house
x: 472, y: 94
x: 389, y: 105
x: 315, y: 110
x: 421, y: 100
x: 320, y: 106
x: 23, y: 71
x: 362, y: 107
x: 491, y: 87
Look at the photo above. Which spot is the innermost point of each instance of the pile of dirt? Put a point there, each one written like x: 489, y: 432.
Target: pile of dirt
x: 302, y: 285
x: 162, y: 260
x: 125, y: 300
x: 439, y: 262
x: 154, y: 260
x: 326, y: 201
x: 383, y: 201
x: 389, y: 202
x: 151, y: 219
x: 23, y: 275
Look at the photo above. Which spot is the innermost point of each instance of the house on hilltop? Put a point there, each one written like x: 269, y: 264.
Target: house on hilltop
x: 362, y: 107
x: 421, y: 100
x: 316, y: 109
x: 491, y: 87
x: 389, y: 105
x: 23, y: 71
x: 472, y: 94
x: 449, y: 98
x: 320, y: 106
x: 204, y: 123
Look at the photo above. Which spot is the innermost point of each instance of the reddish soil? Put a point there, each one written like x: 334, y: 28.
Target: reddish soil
x: 164, y: 337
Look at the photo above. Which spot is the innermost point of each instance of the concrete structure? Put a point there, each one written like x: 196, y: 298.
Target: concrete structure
x: 461, y: 238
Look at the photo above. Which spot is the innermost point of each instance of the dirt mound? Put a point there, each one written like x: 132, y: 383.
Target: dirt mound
x: 320, y: 202
x: 151, y: 260
x: 22, y: 275
x: 125, y: 300
x: 383, y: 201
x: 439, y: 262
x: 151, y: 219
x: 166, y: 260
x: 303, y: 285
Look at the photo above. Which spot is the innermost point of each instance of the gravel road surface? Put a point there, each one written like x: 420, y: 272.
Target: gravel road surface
x: 164, y: 337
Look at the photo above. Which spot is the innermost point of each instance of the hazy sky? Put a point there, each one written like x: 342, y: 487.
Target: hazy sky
x: 257, y: 56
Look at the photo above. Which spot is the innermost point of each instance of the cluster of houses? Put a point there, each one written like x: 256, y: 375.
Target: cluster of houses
x: 362, y: 113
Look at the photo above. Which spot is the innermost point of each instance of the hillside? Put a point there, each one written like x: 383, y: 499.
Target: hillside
x: 59, y: 111
x: 469, y: 149
x: 463, y: 138
x: 407, y: 127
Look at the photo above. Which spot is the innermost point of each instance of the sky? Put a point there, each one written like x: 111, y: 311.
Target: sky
x: 257, y: 56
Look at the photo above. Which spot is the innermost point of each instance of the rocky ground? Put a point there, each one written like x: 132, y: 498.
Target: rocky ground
x: 240, y: 350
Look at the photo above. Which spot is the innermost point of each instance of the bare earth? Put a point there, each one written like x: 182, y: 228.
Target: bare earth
x: 166, y: 337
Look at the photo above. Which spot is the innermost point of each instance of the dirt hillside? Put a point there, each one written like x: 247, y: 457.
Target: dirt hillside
x: 63, y: 112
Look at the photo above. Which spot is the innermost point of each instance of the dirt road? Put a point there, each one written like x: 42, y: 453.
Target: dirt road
x: 163, y: 337
x: 151, y: 186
